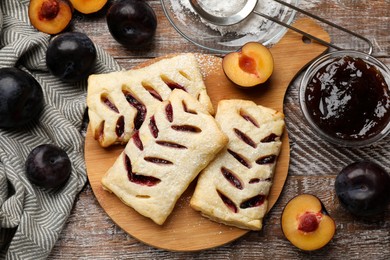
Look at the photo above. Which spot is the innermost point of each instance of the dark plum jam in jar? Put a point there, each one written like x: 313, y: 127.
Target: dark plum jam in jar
x: 347, y: 98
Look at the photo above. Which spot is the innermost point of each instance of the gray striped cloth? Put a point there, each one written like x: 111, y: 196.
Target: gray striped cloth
x: 32, y: 218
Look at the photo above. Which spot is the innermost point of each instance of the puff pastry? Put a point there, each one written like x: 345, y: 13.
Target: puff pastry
x: 119, y: 102
x: 233, y: 189
x: 164, y: 156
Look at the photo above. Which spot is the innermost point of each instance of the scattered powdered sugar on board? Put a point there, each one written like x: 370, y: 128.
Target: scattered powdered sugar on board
x: 251, y: 25
x: 207, y: 64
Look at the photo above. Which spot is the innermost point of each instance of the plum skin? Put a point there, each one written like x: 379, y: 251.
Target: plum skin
x: 132, y: 23
x: 48, y: 166
x: 21, y: 98
x: 363, y: 188
x: 71, y: 56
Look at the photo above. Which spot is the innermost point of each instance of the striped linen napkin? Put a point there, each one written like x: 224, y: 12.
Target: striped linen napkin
x: 32, y: 218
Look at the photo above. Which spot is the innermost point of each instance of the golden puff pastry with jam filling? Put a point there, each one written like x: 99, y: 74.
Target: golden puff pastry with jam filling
x: 233, y: 189
x: 119, y: 102
x: 164, y: 156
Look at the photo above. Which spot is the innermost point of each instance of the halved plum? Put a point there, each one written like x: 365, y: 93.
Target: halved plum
x: 306, y: 223
x: 50, y: 16
x: 249, y: 67
x: 88, y: 6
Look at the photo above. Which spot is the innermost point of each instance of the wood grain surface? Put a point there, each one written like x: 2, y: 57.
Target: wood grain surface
x: 91, y: 234
x: 174, y: 234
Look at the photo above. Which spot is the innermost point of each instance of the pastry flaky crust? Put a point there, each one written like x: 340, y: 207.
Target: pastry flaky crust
x: 114, y: 99
x: 234, y: 187
x: 164, y: 156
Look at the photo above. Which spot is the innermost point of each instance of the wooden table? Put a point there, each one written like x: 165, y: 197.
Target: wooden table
x: 90, y: 233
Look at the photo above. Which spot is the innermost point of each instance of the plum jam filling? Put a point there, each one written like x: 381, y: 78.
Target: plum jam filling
x: 157, y: 160
x: 186, y: 128
x: 247, y: 64
x: 255, y: 201
x: 141, y: 109
x: 246, y: 139
x: 271, y: 138
x: 174, y: 85
x: 248, y: 118
x: 254, y: 180
x: 155, y: 94
x: 109, y: 104
x: 49, y: 10
x: 228, y: 202
x: 152, y: 91
x: 153, y: 127
x: 137, y: 141
x: 240, y: 159
x: 308, y: 222
x: 232, y: 178
x: 349, y: 98
x: 171, y: 144
x: 120, y: 126
x: 257, y: 180
x: 171, y: 84
x: 139, y: 179
x: 169, y: 112
x: 266, y: 159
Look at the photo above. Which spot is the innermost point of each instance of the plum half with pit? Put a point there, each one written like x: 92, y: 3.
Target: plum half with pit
x: 48, y: 166
x: 132, y: 23
x: 251, y: 66
x: 21, y: 98
x: 363, y: 188
x: 306, y: 223
x: 71, y: 56
x: 50, y: 16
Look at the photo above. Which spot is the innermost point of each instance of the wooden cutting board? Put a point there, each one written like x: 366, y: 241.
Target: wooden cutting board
x: 185, y: 229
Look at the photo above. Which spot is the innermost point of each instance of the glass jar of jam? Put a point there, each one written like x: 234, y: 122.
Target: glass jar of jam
x: 345, y: 98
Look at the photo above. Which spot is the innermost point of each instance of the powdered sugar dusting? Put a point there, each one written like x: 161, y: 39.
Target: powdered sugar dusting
x: 207, y: 64
x: 251, y: 25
